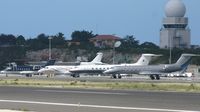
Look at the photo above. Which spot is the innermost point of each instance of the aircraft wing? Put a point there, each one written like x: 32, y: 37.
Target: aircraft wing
x: 153, y: 73
x: 27, y: 72
x: 49, y: 70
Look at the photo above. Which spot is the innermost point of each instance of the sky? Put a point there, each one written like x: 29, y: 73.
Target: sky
x: 141, y: 18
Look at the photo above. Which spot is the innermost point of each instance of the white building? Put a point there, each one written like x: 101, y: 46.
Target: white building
x: 175, y: 32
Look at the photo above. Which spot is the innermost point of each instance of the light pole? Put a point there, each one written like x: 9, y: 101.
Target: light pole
x: 50, y: 38
x: 170, y: 50
x: 113, y: 54
x: 171, y: 45
x: 116, y: 44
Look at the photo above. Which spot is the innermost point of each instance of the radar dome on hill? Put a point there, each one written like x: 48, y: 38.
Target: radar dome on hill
x: 175, y: 8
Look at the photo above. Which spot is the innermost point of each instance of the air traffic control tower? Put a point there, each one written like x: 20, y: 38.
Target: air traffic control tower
x: 175, y: 32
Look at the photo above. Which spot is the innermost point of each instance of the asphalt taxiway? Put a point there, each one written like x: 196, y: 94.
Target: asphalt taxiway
x: 88, y: 100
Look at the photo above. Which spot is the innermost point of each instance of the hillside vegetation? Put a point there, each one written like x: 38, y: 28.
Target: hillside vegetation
x: 19, y: 49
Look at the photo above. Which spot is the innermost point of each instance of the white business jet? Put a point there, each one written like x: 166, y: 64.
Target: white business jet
x: 64, y: 69
x: 99, y: 69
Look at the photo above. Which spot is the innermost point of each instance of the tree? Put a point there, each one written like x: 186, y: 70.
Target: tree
x: 149, y: 45
x: 58, y: 40
x: 82, y: 36
x: 41, y: 42
x: 129, y: 42
x: 20, y: 40
x: 43, y: 39
x: 7, y: 39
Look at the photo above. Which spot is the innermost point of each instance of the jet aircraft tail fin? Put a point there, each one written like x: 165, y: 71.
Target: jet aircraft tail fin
x: 185, y: 59
x: 145, y: 59
x: 98, y: 58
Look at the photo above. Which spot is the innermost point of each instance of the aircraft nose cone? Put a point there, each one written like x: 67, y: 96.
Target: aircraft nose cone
x: 41, y: 70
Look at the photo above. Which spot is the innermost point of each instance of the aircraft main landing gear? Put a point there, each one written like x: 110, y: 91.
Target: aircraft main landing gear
x: 157, y: 77
x: 116, y: 76
x: 153, y: 77
x: 75, y: 75
x: 28, y: 75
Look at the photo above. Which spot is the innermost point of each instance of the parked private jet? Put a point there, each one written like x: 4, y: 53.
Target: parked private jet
x: 154, y: 71
x: 64, y: 69
x: 99, y: 69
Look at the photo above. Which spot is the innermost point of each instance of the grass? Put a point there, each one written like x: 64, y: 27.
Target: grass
x: 177, y: 87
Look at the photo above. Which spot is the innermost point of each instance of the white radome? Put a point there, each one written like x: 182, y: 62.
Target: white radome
x: 175, y: 8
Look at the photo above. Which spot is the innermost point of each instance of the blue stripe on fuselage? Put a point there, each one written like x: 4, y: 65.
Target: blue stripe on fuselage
x: 186, y: 64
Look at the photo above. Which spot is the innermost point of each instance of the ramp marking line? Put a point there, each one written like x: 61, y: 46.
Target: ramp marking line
x: 84, y: 92
x: 96, y: 106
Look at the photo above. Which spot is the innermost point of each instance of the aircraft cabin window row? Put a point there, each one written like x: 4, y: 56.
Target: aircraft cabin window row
x: 101, y: 68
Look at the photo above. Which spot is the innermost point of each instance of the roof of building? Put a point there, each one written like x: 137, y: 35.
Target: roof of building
x: 106, y: 37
